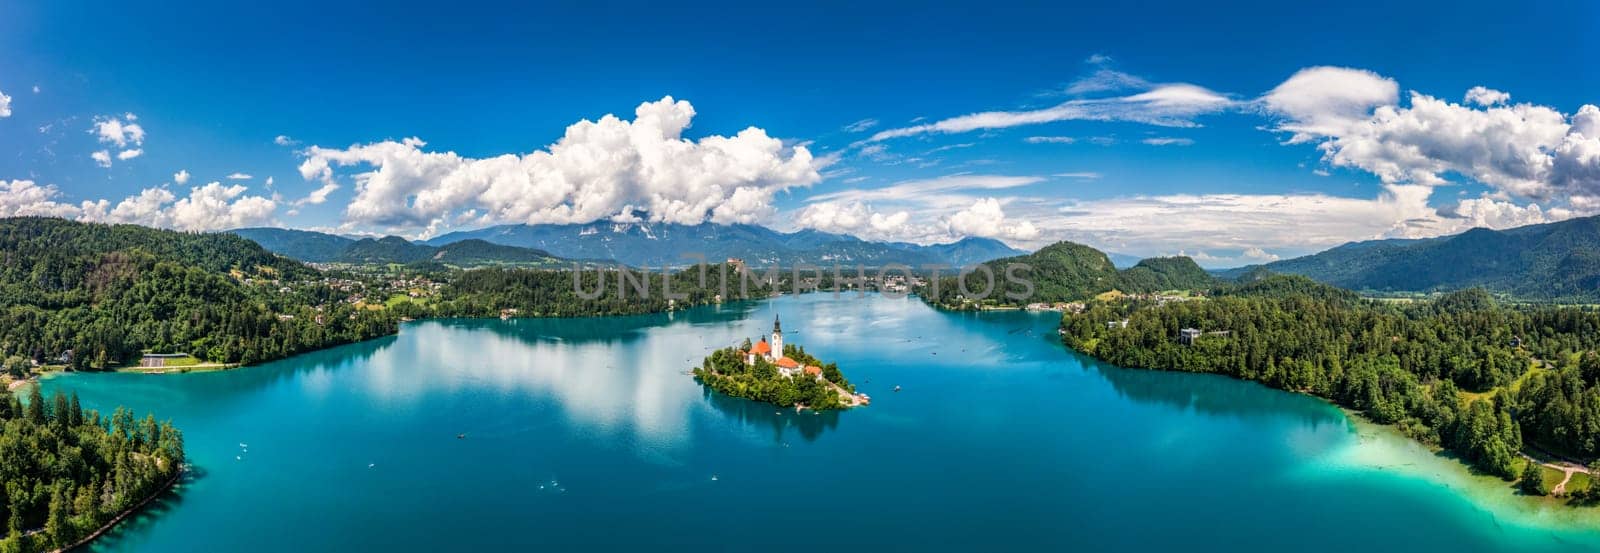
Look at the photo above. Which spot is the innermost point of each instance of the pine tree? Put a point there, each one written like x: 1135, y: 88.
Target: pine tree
x: 75, y: 412
x: 35, y: 405
x: 1533, y: 479
x: 59, y: 415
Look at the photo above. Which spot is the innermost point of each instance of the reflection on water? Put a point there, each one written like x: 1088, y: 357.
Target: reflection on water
x: 809, y: 425
x: 1211, y: 394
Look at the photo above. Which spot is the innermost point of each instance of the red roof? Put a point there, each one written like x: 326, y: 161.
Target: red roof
x: 761, y: 348
x: 813, y: 370
x: 788, y: 363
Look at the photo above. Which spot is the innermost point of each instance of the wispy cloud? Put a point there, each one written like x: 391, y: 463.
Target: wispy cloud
x: 1159, y: 104
x: 927, y: 188
x: 861, y: 126
x: 1168, y: 141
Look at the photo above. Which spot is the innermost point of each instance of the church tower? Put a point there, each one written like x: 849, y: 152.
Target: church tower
x: 777, y: 338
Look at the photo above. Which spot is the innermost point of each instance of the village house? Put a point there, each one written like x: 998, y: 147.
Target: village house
x: 1187, y: 336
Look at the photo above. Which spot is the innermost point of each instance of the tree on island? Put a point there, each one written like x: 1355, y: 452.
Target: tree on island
x: 726, y: 372
x: 1533, y: 479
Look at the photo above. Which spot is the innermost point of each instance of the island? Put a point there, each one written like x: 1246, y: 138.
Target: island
x: 777, y: 373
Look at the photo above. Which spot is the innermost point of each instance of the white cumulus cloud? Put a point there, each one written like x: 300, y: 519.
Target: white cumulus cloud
x: 122, y: 131
x: 1486, y: 97
x: 319, y: 195
x: 23, y: 198
x: 1525, y: 150
x: 181, y: 177
x: 207, y: 208
x: 986, y: 218
x: 1324, y: 101
x: 598, y: 169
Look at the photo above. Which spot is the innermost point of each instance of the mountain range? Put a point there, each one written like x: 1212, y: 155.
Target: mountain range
x: 633, y: 244
x: 1546, y: 262
x: 666, y: 244
x: 319, y: 247
x: 1549, y: 262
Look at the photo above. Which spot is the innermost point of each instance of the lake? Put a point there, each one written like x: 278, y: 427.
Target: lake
x: 587, y: 434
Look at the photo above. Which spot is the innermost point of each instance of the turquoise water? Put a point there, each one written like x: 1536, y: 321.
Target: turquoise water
x: 586, y: 434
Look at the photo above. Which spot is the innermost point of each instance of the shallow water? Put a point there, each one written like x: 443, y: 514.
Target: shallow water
x: 585, y: 433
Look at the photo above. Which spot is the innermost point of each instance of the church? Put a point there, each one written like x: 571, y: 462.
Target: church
x: 772, y: 352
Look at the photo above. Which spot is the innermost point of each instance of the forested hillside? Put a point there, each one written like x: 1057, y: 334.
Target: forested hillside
x: 485, y: 292
x: 67, y: 471
x: 1548, y: 262
x: 1067, y: 271
x: 304, y: 245
x: 1403, y: 364
x: 94, y: 296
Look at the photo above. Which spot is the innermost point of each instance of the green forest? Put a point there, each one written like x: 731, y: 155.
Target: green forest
x: 533, y: 293
x: 1061, y: 272
x: 1554, y: 262
x: 92, y: 296
x: 725, y: 371
x: 1461, y: 372
x: 66, y: 471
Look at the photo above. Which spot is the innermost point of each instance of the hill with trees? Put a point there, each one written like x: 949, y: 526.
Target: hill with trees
x: 94, y: 296
x: 1547, y: 262
x: 1065, y: 272
x: 304, y: 245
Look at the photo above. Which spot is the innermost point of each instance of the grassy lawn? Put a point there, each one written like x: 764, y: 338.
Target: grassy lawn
x: 189, y: 361
x: 1469, y: 397
x: 1580, y: 481
x: 1552, y: 477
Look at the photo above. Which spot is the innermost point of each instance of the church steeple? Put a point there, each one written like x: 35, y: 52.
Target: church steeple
x: 777, y: 338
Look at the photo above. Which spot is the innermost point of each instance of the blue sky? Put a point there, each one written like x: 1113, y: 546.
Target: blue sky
x: 1207, y: 162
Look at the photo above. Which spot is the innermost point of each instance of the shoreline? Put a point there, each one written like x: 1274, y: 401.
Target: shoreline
x: 167, y: 487
x: 1383, y: 450
x: 225, y: 367
x: 1462, y: 477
